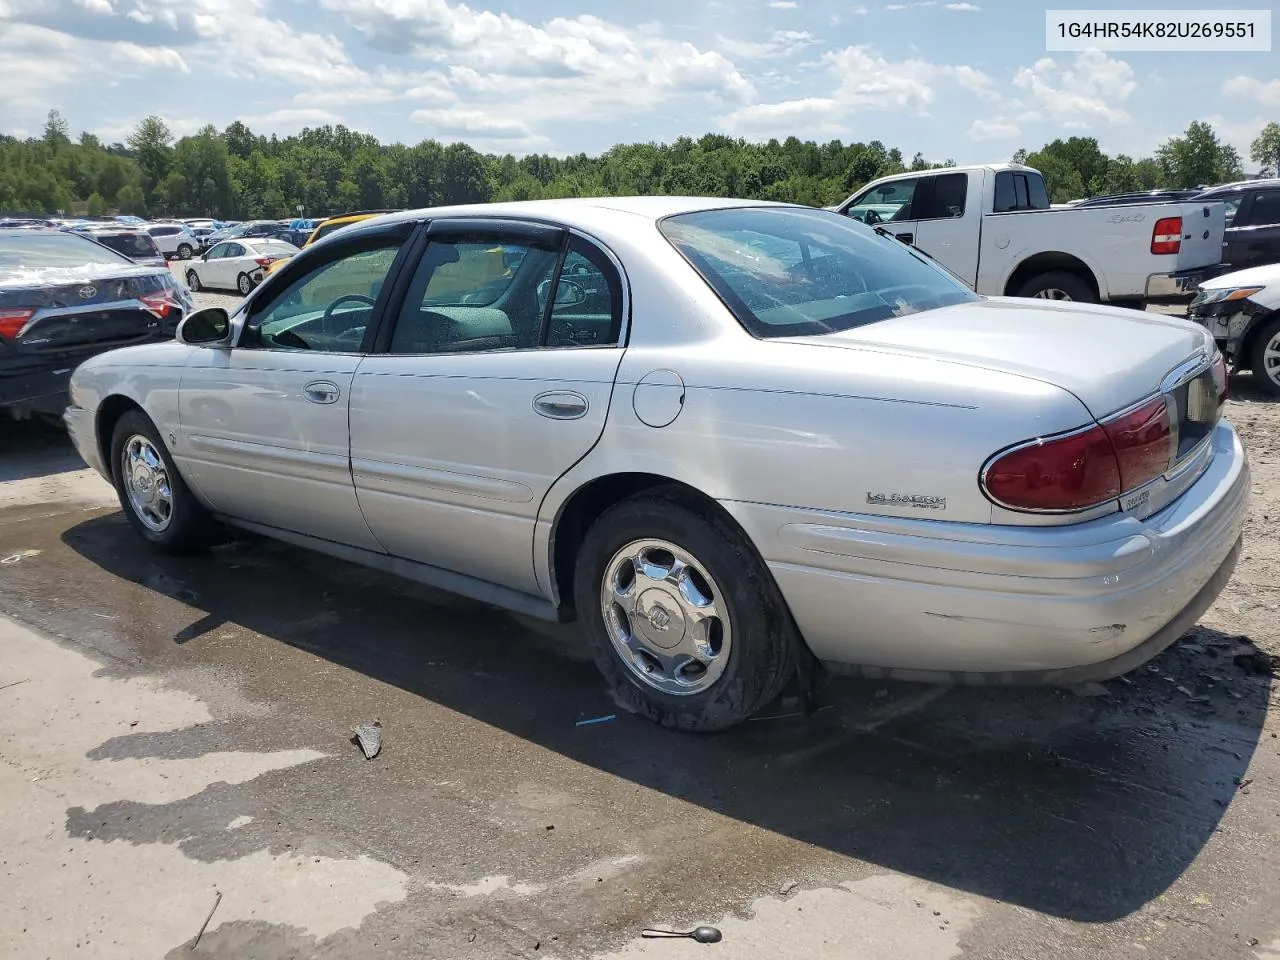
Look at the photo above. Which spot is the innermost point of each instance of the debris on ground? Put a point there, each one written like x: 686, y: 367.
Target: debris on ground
x: 1250, y: 659
x: 787, y: 887
x: 200, y: 933
x: 702, y: 934
x: 369, y: 737
x: 585, y: 723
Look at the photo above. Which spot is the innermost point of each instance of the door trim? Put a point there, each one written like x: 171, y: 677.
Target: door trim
x: 456, y: 583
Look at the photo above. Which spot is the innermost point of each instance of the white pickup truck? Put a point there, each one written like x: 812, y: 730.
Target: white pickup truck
x: 993, y: 226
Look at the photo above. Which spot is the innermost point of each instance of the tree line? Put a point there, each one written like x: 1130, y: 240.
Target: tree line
x: 237, y: 174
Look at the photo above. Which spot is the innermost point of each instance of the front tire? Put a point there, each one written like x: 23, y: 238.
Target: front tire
x: 193, y: 281
x: 244, y: 284
x: 1058, y: 285
x: 153, y: 495
x: 1265, y: 357
x: 184, y: 251
x: 688, y: 627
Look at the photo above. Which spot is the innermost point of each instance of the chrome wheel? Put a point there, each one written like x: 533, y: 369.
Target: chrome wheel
x: 1271, y: 359
x: 666, y: 617
x: 146, y: 483
x: 244, y: 284
x: 1051, y: 293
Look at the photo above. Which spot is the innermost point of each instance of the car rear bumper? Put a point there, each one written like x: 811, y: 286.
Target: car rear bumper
x: 29, y: 388
x: 1180, y: 285
x: 951, y: 602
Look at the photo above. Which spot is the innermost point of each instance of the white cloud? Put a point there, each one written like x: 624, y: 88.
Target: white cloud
x: 1265, y: 93
x: 998, y: 129
x: 1076, y: 96
x: 911, y: 6
x: 781, y: 43
x: 962, y: 7
x: 783, y: 4
x: 96, y: 6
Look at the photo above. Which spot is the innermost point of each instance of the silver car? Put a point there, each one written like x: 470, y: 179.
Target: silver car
x: 732, y: 439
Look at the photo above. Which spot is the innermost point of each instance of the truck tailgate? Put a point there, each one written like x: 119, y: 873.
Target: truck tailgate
x: 1203, y: 229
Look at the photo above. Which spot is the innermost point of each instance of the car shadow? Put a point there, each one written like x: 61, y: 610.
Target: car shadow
x: 30, y: 449
x: 1243, y: 388
x: 1080, y: 804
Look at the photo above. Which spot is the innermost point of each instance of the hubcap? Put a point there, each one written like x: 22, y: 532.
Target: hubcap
x: 1051, y: 293
x: 666, y: 617
x: 1271, y: 359
x: 244, y: 284
x: 146, y: 482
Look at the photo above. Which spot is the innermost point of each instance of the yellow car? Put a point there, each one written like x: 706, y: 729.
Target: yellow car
x: 330, y: 225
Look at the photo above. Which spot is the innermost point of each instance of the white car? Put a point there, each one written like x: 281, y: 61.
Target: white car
x: 731, y: 438
x: 236, y: 264
x: 1242, y: 311
x: 993, y: 226
x: 175, y: 240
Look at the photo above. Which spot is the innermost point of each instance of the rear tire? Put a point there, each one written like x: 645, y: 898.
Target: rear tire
x: 704, y: 645
x: 184, y: 251
x: 244, y: 284
x: 153, y: 495
x: 1266, y: 347
x: 1058, y: 285
x: 193, y: 281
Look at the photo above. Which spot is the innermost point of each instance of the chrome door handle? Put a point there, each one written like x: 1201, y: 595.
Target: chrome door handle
x: 561, y: 405
x: 321, y: 391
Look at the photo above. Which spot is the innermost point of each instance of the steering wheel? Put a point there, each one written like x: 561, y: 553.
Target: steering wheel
x: 872, y: 218
x: 328, y: 312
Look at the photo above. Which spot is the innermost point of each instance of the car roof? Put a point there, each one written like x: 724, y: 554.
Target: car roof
x: 582, y: 212
x: 1240, y: 185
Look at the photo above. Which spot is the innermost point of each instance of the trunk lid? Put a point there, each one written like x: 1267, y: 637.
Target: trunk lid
x: 1107, y: 357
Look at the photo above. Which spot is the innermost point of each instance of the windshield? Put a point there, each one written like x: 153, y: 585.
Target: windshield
x: 36, y: 250
x: 787, y: 271
x: 135, y: 246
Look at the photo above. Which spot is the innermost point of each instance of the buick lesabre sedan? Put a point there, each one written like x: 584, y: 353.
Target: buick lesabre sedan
x: 732, y: 439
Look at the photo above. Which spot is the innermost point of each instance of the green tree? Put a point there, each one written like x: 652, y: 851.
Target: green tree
x: 1061, y: 178
x: 97, y: 206
x: 1197, y: 157
x: 131, y: 200
x: 1265, y: 150
x: 57, y: 132
x: 151, y: 144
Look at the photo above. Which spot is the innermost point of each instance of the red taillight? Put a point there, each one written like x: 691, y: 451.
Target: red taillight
x: 265, y: 261
x: 12, y: 322
x: 159, y: 303
x: 1142, y: 440
x: 1166, y: 235
x: 1058, y: 474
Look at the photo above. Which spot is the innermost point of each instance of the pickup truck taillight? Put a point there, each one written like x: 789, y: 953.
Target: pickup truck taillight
x: 12, y: 322
x: 159, y: 303
x: 1086, y: 468
x: 1166, y: 235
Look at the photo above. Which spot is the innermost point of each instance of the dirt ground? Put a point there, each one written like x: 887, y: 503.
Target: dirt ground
x: 174, y: 748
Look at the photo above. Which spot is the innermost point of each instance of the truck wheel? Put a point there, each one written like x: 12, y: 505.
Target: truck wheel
x: 1058, y: 285
x: 1265, y: 359
x: 688, y: 627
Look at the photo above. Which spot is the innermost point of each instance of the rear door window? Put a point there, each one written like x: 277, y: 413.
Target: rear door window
x: 1265, y: 209
x: 946, y: 200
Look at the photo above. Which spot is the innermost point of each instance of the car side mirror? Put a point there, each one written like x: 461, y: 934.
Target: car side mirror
x: 207, y: 327
x: 568, y: 292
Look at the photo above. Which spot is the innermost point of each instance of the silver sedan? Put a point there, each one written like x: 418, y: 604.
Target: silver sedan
x: 734, y: 440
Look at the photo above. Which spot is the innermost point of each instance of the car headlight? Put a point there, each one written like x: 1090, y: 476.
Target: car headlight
x: 1224, y: 295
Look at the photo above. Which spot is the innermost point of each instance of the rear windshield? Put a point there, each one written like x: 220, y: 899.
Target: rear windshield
x: 274, y: 248
x: 54, y: 250
x: 327, y: 228
x: 135, y: 246
x: 786, y: 271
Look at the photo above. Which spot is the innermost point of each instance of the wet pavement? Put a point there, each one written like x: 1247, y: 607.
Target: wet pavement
x: 172, y: 730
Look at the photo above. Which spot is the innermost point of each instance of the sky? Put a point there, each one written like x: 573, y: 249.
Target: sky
x: 968, y: 80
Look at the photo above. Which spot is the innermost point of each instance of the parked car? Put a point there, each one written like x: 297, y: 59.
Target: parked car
x: 65, y: 297
x: 332, y: 225
x: 207, y: 223
x: 994, y: 228
x: 203, y: 235
x: 1242, y: 311
x: 742, y: 436
x: 175, y: 240
x: 237, y: 264
x: 1151, y: 196
x: 1253, y: 222
x: 252, y: 228
x: 138, y: 245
